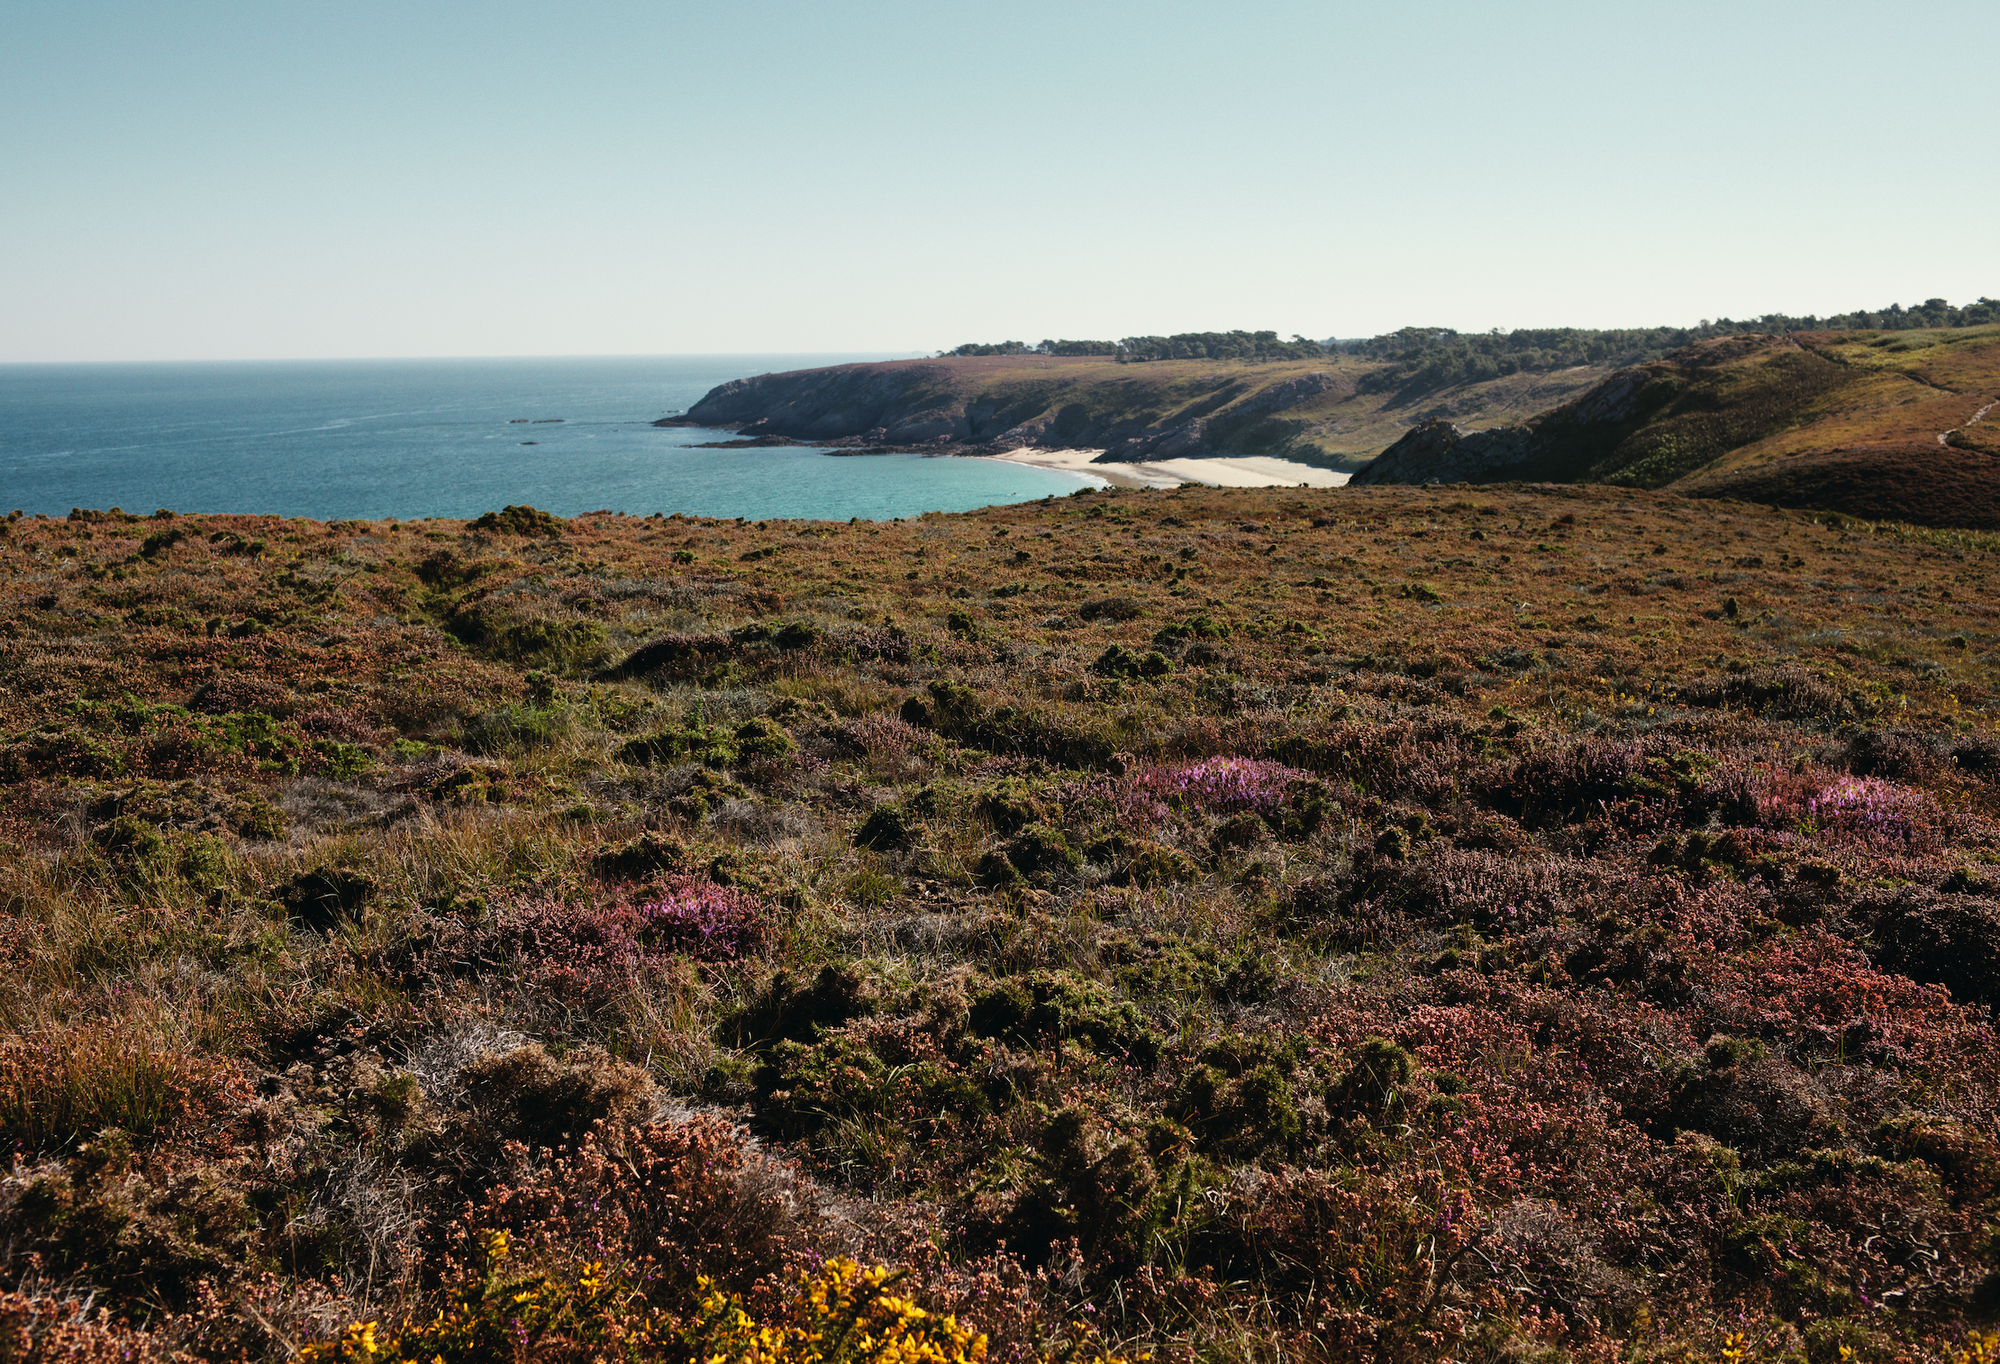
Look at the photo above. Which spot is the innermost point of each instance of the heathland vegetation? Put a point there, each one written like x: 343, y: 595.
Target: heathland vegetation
x: 1506, y: 924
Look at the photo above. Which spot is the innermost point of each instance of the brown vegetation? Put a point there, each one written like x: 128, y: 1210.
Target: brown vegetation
x: 1923, y: 483
x: 1395, y: 924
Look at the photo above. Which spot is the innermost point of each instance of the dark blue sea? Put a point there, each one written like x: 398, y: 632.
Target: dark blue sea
x: 364, y: 439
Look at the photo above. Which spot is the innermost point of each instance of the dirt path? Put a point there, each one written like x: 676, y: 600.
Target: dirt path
x: 1945, y: 437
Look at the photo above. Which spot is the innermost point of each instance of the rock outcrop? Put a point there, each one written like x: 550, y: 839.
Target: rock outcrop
x: 1436, y: 451
x: 895, y: 404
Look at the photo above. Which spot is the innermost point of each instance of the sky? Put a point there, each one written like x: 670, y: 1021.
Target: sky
x: 220, y: 180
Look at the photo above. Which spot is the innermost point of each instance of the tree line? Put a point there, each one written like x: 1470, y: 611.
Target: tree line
x: 1433, y: 357
x: 1423, y: 358
x: 1236, y: 345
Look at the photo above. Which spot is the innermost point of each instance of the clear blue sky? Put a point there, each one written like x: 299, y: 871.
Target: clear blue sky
x: 220, y: 180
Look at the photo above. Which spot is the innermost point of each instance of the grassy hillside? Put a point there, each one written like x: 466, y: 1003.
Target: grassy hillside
x: 1389, y: 924
x: 1871, y: 423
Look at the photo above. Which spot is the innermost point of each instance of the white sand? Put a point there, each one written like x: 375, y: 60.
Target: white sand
x: 1230, y: 472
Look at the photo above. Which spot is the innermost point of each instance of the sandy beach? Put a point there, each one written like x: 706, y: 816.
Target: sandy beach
x: 1230, y: 472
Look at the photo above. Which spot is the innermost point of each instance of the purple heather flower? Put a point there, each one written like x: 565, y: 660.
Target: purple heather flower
x: 1224, y: 785
x: 701, y: 918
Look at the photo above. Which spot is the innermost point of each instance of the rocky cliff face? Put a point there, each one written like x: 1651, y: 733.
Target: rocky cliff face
x: 898, y: 404
x: 904, y: 403
x: 1436, y: 451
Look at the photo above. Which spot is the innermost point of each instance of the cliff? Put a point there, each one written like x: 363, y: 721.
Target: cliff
x: 1316, y: 411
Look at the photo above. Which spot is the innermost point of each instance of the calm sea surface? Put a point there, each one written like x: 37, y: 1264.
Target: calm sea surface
x: 373, y: 438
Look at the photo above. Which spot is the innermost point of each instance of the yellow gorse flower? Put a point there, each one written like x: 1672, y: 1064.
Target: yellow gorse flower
x: 1981, y: 1347
x: 357, y: 1342
x: 844, y: 1313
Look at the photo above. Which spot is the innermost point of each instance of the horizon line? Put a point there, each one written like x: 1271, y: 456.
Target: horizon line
x: 363, y: 359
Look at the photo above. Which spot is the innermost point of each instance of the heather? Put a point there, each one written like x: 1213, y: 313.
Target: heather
x: 1519, y: 923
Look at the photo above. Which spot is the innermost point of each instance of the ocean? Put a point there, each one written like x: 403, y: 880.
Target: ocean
x: 364, y: 439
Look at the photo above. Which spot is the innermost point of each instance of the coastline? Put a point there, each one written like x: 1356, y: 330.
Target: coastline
x: 1221, y: 471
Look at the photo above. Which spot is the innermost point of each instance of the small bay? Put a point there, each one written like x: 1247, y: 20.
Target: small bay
x: 364, y: 439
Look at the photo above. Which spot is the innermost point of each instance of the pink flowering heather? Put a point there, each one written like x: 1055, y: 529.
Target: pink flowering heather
x: 1858, y: 809
x: 700, y: 918
x: 1223, y: 785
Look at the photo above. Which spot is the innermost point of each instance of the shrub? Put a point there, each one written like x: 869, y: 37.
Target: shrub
x: 37, y: 1326
x: 320, y: 898
x: 672, y: 656
x: 510, y: 729
x: 1087, y: 1184
x: 643, y: 856
x: 796, y: 635
x: 512, y: 520
x: 762, y: 737
x: 1046, y: 1004
x: 957, y: 712
x: 1201, y: 626
x: 1977, y: 754
x: 1574, y: 778
x: 1856, y: 810
x: 498, y: 634
x: 843, y: 1314
x: 1112, y: 608
x: 160, y: 541
x: 886, y: 829
x: 1949, y: 940
x: 1154, y: 864
x: 1787, y: 692
x: 192, y: 806
x: 1119, y: 661
x: 840, y: 1313
x: 1040, y: 850
x: 803, y: 1012
x: 1223, y: 785
x: 526, y: 1095
x: 1897, y: 754
x: 703, y: 920
x: 1372, y: 1084
x: 1241, y: 1118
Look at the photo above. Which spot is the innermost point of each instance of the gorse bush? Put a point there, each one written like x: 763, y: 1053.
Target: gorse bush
x: 841, y: 1314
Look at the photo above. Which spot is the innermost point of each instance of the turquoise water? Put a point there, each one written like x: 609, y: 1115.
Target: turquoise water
x: 373, y: 438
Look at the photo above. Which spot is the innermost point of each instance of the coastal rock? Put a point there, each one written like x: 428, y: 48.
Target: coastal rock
x: 1291, y: 393
x: 945, y: 404
x: 1177, y: 442
x: 1437, y: 451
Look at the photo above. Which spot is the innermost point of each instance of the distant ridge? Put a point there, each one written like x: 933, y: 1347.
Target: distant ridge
x: 1893, y: 424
